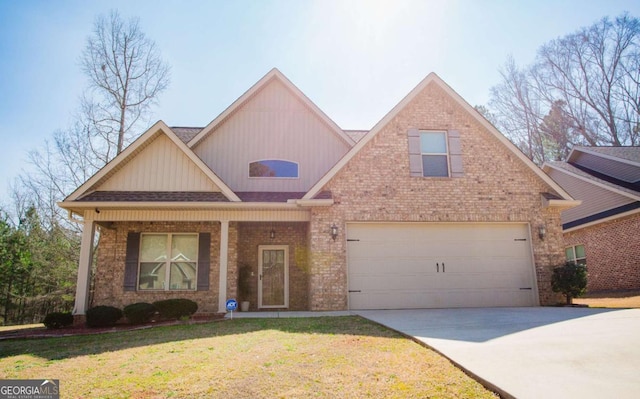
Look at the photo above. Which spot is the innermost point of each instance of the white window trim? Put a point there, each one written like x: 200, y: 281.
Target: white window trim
x: 575, y: 256
x: 168, y: 262
x: 446, y: 153
x: 274, y: 177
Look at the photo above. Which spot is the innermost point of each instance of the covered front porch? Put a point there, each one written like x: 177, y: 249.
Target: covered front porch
x: 269, y: 247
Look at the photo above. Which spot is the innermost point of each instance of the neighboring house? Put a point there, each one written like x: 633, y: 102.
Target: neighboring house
x: 604, y: 231
x: 432, y: 207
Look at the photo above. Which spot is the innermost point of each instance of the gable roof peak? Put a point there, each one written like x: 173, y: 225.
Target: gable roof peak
x: 274, y: 73
x: 158, y: 128
x: 432, y: 77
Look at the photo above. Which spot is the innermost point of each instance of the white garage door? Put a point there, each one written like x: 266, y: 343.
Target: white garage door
x: 417, y: 265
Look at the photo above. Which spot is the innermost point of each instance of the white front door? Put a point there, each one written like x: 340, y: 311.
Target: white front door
x: 273, y: 280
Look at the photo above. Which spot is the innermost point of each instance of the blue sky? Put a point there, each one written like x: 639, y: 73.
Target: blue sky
x: 354, y: 59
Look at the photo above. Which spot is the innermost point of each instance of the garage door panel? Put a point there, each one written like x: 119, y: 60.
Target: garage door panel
x: 416, y: 265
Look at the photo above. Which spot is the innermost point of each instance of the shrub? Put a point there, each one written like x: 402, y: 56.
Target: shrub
x: 176, y: 308
x: 140, y: 312
x: 570, y: 280
x: 58, y: 320
x: 103, y: 316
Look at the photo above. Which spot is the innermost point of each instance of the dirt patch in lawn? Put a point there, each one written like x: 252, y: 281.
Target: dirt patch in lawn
x: 611, y: 299
x: 322, y: 357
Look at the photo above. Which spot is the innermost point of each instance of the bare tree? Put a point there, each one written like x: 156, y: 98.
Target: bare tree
x: 517, y: 110
x: 126, y: 74
x: 588, y: 81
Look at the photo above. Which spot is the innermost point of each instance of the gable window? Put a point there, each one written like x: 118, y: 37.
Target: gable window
x: 435, y: 157
x: 273, y: 168
x: 576, y: 254
x: 435, y: 153
x: 168, y: 261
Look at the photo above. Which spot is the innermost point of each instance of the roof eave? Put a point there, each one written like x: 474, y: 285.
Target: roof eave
x: 80, y: 206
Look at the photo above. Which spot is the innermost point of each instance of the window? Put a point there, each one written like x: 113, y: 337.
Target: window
x: 168, y: 262
x: 273, y: 168
x: 576, y: 254
x: 435, y: 158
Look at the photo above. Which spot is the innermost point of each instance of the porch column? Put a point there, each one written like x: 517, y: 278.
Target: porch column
x: 84, y: 265
x: 224, y: 257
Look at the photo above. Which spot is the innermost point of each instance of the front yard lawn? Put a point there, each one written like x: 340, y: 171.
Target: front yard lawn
x: 621, y: 299
x: 346, y: 357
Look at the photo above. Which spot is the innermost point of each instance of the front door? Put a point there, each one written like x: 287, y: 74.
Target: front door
x: 273, y: 280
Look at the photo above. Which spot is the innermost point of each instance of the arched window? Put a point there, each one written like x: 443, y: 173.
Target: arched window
x: 273, y: 168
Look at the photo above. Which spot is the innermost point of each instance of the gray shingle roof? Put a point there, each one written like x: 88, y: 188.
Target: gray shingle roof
x: 153, y: 196
x: 579, y: 172
x: 628, y: 153
x: 193, y: 196
x: 186, y: 133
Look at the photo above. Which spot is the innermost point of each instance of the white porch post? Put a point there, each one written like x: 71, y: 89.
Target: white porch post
x: 84, y: 265
x: 224, y: 258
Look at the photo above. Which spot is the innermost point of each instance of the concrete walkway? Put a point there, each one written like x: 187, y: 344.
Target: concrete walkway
x: 533, y: 352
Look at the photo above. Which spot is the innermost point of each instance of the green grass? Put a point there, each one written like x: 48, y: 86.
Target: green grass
x: 346, y: 357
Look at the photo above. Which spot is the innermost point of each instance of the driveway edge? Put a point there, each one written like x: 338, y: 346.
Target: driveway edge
x: 487, y: 384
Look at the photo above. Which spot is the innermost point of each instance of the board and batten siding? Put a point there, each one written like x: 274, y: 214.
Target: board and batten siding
x: 161, y: 166
x: 274, y: 124
x: 595, y: 199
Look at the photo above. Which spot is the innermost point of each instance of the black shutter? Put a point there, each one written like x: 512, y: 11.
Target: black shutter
x: 131, y: 262
x: 415, y: 155
x: 204, y: 261
x: 455, y: 153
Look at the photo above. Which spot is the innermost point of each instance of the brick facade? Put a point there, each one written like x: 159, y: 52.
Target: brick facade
x: 376, y: 186
x: 111, y: 255
x: 613, y: 253
x: 294, y: 235
x: 244, y: 239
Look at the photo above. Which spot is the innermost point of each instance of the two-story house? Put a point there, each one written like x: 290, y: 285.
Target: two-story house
x: 432, y: 207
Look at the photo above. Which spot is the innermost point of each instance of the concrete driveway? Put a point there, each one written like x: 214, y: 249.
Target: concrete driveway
x: 536, y: 352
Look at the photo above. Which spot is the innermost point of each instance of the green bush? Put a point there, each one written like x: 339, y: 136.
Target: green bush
x: 58, y: 320
x: 176, y: 308
x: 570, y: 280
x: 103, y: 316
x: 140, y: 312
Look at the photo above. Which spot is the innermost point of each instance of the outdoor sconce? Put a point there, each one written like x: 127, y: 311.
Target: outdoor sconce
x: 334, y: 231
x: 542, y: 232
x: 97, y: 210
x: 272, y: 234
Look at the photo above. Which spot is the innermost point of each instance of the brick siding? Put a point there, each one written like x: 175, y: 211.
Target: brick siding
x: 613, y: 253
x: 376, y: 186
x: 111, y: 255
x: 294, y: 235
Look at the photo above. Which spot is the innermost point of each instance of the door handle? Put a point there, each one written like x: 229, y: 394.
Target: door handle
x: 437, y: 267
x: 443, y: 267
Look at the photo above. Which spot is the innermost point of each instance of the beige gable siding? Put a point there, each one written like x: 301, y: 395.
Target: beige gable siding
x: 160, y: 166
x: 274, y: 124
x: 595, y: 199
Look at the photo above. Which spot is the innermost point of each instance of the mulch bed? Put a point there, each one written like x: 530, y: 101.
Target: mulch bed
x: 81, y: 329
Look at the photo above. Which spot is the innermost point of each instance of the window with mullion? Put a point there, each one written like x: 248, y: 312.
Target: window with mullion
x: 168, y: 261
x: 435, y: 156
x: 576, y: 254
